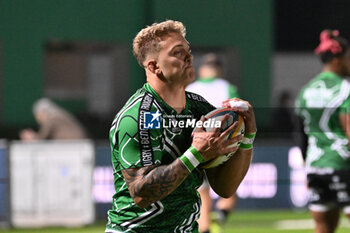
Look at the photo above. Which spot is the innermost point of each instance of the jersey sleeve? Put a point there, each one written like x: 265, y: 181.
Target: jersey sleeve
x: 128, y: 144
x: 130, y: 151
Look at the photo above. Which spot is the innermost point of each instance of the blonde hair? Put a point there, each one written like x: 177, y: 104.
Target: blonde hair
x: 147, y: 40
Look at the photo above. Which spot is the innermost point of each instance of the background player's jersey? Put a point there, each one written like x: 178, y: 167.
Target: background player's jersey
x: 148, y: 131
x: 319, y: 104
x: 215, y: 90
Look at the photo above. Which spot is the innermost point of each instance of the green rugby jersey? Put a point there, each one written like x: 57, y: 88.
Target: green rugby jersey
x: 319, y: 104
x: 148, y: 131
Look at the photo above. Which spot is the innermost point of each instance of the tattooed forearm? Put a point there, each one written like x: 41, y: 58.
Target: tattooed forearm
x: 152, y: 183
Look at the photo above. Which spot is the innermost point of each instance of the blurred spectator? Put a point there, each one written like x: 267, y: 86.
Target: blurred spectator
x: 214, y: 89
x: 54, y: 123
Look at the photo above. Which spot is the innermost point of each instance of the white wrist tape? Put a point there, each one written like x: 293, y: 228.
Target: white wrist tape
x: 239, y: 104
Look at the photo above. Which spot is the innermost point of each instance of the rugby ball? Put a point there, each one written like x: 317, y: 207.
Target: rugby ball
x: 217, y: 115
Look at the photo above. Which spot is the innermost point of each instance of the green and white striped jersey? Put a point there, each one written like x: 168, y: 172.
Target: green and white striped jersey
x: 319, y: 104
x: 148, y: 131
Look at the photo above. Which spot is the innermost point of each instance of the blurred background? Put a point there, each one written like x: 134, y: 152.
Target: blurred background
x: 78, y: 53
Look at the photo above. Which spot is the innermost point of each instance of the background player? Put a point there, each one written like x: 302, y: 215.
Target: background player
x: 323, y: 106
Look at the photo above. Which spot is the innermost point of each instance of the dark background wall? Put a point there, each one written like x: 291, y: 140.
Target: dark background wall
x: 25, y: 26
x: 298, y: 23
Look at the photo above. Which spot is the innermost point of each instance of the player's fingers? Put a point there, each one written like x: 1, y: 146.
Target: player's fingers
x: 240, y: 106
x: 217, y: 130
x: 203, y: 119
x: 229, y: 149
x: 229, y: 130
x: 200, y: 129
x: 226, y: 103
x: 232, y: 141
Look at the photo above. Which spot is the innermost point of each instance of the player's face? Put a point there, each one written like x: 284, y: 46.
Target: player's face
x: 345, y: 63
x: 175, y: 60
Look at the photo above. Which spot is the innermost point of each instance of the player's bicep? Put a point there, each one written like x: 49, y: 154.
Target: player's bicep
x: 210, y: 172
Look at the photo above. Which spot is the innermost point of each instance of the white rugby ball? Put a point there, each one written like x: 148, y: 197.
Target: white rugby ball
x: 217, y: 115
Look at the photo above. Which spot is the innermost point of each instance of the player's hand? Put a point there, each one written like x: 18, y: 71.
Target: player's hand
x: 27, y: 135
x: 214, y: 143
x: 245, y: 109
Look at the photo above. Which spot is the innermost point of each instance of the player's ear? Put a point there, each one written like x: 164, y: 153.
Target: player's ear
x: 153, y: 66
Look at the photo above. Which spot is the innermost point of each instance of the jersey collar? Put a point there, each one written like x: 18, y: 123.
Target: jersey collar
x: 148, y: 88
x: 330, y: 74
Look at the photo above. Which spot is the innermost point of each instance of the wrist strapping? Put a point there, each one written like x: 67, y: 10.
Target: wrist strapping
x: 247, y: 141
x: 191, y: 158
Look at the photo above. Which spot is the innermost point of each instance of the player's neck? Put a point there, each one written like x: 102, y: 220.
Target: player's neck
x: 333, y: 68
x: 173, y: 95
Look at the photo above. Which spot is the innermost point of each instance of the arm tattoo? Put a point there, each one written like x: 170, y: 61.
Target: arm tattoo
x: 154, y: 182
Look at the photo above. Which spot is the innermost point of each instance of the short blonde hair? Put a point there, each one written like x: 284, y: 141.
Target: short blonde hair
x: 147, y: 40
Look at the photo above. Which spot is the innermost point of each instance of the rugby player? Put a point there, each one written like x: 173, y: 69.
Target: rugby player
x: 323, y: 107
x: 156, y: 168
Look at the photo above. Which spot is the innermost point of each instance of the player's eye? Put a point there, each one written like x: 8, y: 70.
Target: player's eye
x: 177, y: 52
